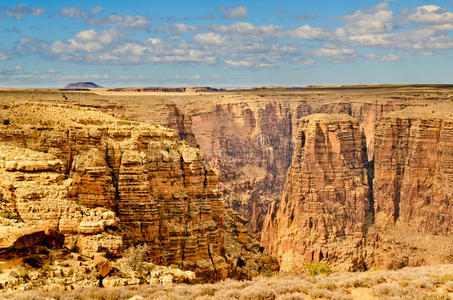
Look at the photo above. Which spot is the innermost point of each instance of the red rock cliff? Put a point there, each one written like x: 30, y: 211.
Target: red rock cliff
x: 325, y: 205
x: 413, y: 180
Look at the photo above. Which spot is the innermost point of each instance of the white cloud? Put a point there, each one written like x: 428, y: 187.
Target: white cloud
x: 390, y: 57
x: 127, y: 21
x: 209, y: 38
x: 96, y: 10
x: 240, y: 63
x: 377, y: 19
x: 304, y: 17
x: 237, y: 13
x: 434, y: 16
x: 177, y: 28
x: 20, y: 10
x: 78, y: 13
x: 336, y: 54
x: 245, y: 28
x: 4, y: 56
x: 244, y: 44
x: 307, y: 32
x: 86, y: 41
x: 73, y: 12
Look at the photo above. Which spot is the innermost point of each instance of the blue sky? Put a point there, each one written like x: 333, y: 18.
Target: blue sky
x: 225, y: 44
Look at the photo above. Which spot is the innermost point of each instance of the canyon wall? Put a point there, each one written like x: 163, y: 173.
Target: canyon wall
x: 325, y: 202
x: 251, y: 142
x: 413, y: 180
x: 86, y: 173
x: 248, y: 137
x: 327, y: 212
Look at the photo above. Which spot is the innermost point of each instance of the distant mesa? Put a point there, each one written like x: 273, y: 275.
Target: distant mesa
x: 82, y: 85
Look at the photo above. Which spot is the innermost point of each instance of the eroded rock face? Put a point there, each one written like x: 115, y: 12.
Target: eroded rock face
x: 250, y: 138
x: 325, y: 205
x: 327, y: 213
x: 18, y: 239
x: 252, y: 141
x: 413, y: 180
x: 77, y: 170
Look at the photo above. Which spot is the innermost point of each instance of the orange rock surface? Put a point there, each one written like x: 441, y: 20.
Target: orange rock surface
x: 413, y: 180
x: 326, y: 195
x: 78, y: 170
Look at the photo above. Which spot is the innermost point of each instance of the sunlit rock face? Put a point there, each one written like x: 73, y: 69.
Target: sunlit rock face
x: 84, y: 173
x: 325, y: 206
x: 413, y: 180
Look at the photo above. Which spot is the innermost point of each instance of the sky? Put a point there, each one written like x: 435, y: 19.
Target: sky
x: 225, y: 43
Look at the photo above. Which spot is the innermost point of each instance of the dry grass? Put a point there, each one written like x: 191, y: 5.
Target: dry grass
x: 409, y: 283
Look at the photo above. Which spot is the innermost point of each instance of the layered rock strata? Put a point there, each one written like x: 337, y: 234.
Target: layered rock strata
x: 82, y: 172
x: 249, y: 137
x: 327, y: 213
x: 413, y: 181
x: 325, y: 202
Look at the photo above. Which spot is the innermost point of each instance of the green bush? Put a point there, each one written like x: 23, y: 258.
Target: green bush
x: 7, y: 215
x: 317, y: 268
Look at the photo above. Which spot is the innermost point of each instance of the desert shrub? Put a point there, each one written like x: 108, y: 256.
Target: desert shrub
x: 290, y: 286
x: 320, y: 294
x: 422, y: 283
x: 297, y: 296
x: 135, y: 256
x: 318, y: 268
x: 257, y: 292
x: 389, y: 290
x: 327, y: 283
x: 208, y: 290
x: 45, y: 269
x: 7, y: 215
x: 439, y: 280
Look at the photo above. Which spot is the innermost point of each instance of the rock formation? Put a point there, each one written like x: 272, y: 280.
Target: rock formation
x: 18, y: 238
x: 326, y: 197
x: 412, y: 187
x: 85, y: 173
x: 413, y: 179
x: 327, y: 213
x: 249, y: 138
x: 86, y: 85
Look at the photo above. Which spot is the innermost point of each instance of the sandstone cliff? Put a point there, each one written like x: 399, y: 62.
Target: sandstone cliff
x: 83, y: 173
x: 248, y: 137
x: 413, y: 180
x: 326, y: 197
x: 413, y: 186
x: 327, y: 213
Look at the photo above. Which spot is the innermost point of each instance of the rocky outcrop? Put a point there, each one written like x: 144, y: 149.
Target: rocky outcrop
x: 413, y: 179
x: 84, y: 173
x: 247, y: 258
x: 19, y: 239
x: 326, y: 195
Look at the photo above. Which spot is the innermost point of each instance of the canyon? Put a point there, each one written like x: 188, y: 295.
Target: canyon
x: 249, y: 137
x: 356, y: 177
